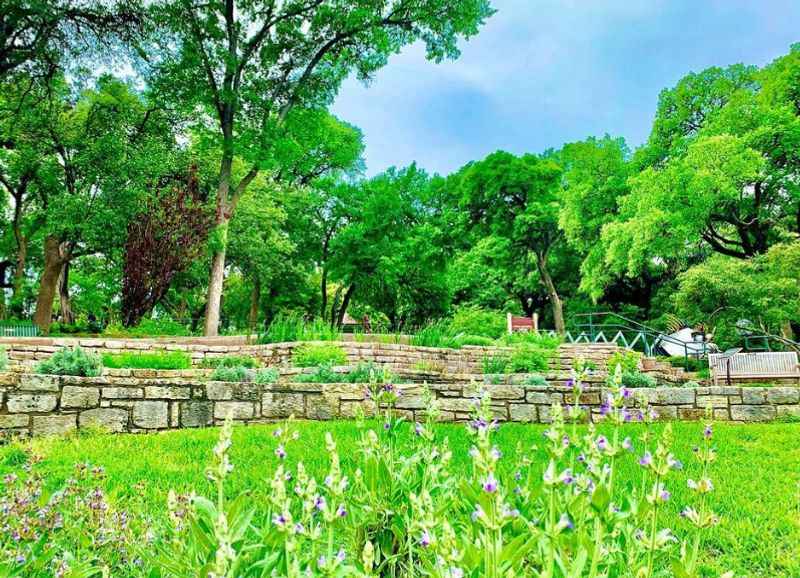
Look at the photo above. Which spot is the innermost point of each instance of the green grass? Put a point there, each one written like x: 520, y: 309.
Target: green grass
x: 315, y: 354
x: 158, y: 360
x: 756, y: 476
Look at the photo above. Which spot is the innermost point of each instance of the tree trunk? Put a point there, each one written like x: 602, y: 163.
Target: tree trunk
x: 255, y: 303
x: 345, y: 303
x: 324, y: 290
x: 217, y: 275
x: 54, y: 259
x: 67, y: 316
x: 555, y: 300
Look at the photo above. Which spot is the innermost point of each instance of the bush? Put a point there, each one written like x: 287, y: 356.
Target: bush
x: 529, y: 358
x: 691, y: 384
x: 480, y: 340
x: 314, y: 354
x: 638, y: 379
x: 694, y: 364
x: 157, y: 360
x: 435, y: 334
x: 236, y: 373
x: 628, y: 360
x: 161, y: 327
x: 71, y: 361
x: 321, y: 374
x: 539, y: 339
x: 230, y: 361
x: 478, y: 322
x: 370, y: 373
x: 495, y: 364
x: 3, y: 359
x: 285, y: 328
x: 266, y: 376
x: 537, y: 380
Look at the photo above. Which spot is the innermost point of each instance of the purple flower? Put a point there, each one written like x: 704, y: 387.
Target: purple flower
x: 418, y: 429
x: 570, y: 382
x: 626, y: 393
x: 708, y: 432
x: 602, y: 443
x: 664, y: 495
x: 627, y: 444
x: 581, y: 458
x: 490, y: 484
x: 319, y: 502
x: 565, y: 441
x: 340, y: 555
x: 674, y: 464
x: 495, y: 453
x: 341, y: 511
x: 646, y: 459
x: 477, y: 513
x: 298, y: 528
x: 425, y: 539
x: 279, y: 519
x: 387, y: 426
x: 518, y: 475
x: 280, y: 451
x: 567, y: 478
x: 321, y: 561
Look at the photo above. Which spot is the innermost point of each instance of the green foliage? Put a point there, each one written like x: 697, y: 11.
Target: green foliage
x: 156, y: 360
x: 529, y: 358
x: 494, y: 364
x: 472, y: 320
x: 627, y: 360
x: 638, y: 379
x: 149, y: 327
x: 286, y: 328
x: 537, y: 380
x: 3, y: 358
x: 266, y: 376
x: 538, y: 339
x: 370, y: 373
x: 235, y: 373
x: 436, y: 334
x: 315, y: 354
x: 71, y: 361
x: 321, y: 374
x: 695, y: 364
x: 480, y: 340
x: 230, y: 361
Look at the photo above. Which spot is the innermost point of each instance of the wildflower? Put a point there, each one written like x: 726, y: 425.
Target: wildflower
x: 280, y: 451
x: 341, y: 512
x: 708, y: 432
x: 319, y: 502
x: 566, y: 477
x: 626, y: 393
x: 509, y: 513
x: 627, y: 444
x: 664, y: 495
x: 646, y: 459
x: 703, y: 486
x: 280, y: 519
x: 418, y: 429
x: 674, y: 463
x: 602, y: 443
x: 340, y: 555
x: 477, y: 513
x: 565, y: 441
x: 321, y: 561
x: 490, y: 484
x: 564, y: 522
x: 425, y: 539
x: 495, y: 453
x: 387, y: 426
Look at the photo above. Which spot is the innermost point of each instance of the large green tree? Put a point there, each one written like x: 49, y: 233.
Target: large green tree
x: 518, y: 198
x: 248, y: 64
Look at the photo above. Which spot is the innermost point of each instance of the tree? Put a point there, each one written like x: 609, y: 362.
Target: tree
x: 248, y: 64
x: 518, y: 198
x: 168, y: 233
x: 35, y: 34
x: 102, y: 152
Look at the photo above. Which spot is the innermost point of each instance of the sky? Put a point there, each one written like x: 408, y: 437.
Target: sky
x: 542, y: 73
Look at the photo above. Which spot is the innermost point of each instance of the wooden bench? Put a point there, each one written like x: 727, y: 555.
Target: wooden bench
x: 766, y: 365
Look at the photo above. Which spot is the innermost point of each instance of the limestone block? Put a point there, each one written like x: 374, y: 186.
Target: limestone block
x: 113, y: 420
x: 14, y: 420
x: 783, y: 395
x: 753, y: 412
x: 31, y: 402
x: 523, y: 412
x: 79, y: 397
x: 166, y: 392
x: 49, y: 425
x: 676, y: 395
x: 34, y: 382
x: 122, y: 393
x: 236, y: 409
x: 274, y: 404
x: 151, y: 414
x: 754, y: 395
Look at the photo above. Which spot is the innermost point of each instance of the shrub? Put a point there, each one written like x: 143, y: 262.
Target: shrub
x: 691, y: 384
x: 539, y: 339
x: 236, y: 373
x: 285, y: 328
x: 266, y: 376
x: 537, y: 380
x: 229, y: 361
x: 495, y: 364
x: 638, y: 379
x: 157, y: 360
x: 463, y: 340
x: 370, y: 372
x: 3, y: 359
x: 694, y: 364
x: 529, y: 358
x: 435, y: 334
x: 161, y: 327
x: 478, y: 322
x: 314, y: 354
x: 628, y: 360
x: 71, y: 361
x: 321, y: 374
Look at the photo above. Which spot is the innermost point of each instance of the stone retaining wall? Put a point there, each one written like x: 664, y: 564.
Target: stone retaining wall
x: 469, y: 359
x: 45, y: 405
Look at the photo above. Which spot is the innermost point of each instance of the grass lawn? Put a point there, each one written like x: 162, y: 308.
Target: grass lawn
x: 757, y: 476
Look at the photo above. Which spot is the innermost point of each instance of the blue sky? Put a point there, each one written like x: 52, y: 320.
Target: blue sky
x: 545, y: 72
